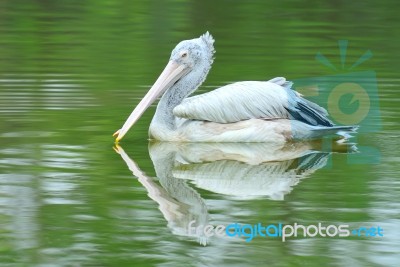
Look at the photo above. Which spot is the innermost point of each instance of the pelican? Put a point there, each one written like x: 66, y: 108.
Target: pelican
x: 248, y: 111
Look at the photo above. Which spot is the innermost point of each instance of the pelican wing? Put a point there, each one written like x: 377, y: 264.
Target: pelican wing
x: 273, y: 99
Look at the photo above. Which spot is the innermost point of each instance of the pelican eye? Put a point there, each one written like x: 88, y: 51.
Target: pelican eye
x: 184, y: 54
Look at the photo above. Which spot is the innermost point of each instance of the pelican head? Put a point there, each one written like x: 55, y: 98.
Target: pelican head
x: 190, y: 58
x: 191, y: 53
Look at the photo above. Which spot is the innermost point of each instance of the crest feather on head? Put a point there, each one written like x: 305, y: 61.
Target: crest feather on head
x: 209, y: 40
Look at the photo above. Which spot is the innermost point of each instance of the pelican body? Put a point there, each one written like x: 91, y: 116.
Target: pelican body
x: 249, y: 111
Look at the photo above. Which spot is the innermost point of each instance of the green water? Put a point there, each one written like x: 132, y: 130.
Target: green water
x: 70, y: 74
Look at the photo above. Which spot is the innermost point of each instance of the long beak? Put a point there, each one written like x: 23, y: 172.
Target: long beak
x: 172, y: 73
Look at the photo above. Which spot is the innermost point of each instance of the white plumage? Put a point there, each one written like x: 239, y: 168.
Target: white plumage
x: 249, y: 111
x: 248, y: 100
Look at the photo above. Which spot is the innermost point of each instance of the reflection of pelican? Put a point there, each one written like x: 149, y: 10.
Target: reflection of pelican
x: 240, y: 112
x: 241, y: 170
x: 177, y: 201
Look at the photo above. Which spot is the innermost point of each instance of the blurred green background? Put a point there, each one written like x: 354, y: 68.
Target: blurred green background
x: 72, y: 71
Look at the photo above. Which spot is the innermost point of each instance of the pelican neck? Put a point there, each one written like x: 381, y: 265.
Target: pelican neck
x: 176, y: 94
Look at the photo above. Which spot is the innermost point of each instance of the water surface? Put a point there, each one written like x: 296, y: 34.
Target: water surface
x: 71, y: 72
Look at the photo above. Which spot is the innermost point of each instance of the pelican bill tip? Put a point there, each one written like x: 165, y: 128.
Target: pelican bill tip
x: 119, y: 136
x: 116, y: 133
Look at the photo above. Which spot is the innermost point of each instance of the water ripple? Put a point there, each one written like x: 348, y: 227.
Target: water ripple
x: 24, y: 93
